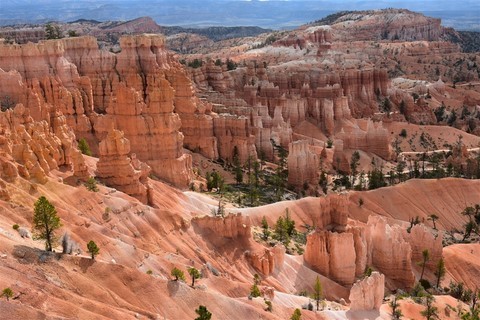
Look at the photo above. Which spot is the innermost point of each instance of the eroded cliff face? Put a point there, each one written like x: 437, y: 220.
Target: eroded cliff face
x: 31, y: 149
x: 142, y: 90
x: 117, y: 169
x: 267, y: 260
x: 231, y: 226
x: 343, y: 254
x: 368, y: 293
x: 391, y: 24
x: 332, y: 254
x: 389, y: 252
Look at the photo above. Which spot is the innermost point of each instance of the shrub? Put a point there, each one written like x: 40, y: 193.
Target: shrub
x: 297, y: 315
x: 403, y: 133
x: 149, y: 272
x: 203, y: 313
x: 93, y: 249
x: 7, y: 293
x: 269, y: 305
x: 15, y: 226
x: 194, y: 273
x: 425, y: 284
x: 84, y: 147
x: 255, y: 291
x: 368, y: 272
x: 91, y: 184
x: 360, y: 202
x: 178, y: 274
x: 329, y: 143
x: 6, y: 103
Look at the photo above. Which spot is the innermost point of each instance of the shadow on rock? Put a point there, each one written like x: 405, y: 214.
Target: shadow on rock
x: 85, y: 263
x: 28, y: 255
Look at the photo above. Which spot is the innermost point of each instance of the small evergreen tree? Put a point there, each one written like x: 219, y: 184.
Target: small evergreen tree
x: 396, y: 312
x: 93, y: 249
x: 297, y: 315
x: 194, y: 273
x: 7, y: 293
x: 237, y: 168
x: 91, y: 184
x: 317, y: 292
x: 440, y: 271
x: 433, y: 218
x: 45, y: 222
x: 6, y: 103
x: 84, y: 147
x: 323, y: 182
x: 265, y: 230
x: 269, y: 305
x: 354, y: 162
x: 256, y: 279
x: 430, y: 311
x: 423, y: 263
x: 178, y: 274
x: 203, y: 313
x: 255, y: 291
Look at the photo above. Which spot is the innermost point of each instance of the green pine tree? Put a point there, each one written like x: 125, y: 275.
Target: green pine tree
x: 45, y: 222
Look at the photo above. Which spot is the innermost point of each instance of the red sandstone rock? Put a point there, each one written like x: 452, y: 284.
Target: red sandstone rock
x: 116, y: 169
x: 332, y: 255
x: 368, y: 293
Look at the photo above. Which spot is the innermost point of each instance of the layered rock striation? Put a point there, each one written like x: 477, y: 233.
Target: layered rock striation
x: 138, y: 90
x: 367, y: 294
x: 117, y: 169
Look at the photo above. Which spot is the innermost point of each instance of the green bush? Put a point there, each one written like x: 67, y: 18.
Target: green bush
x: 178, y: 274
x: 403, y: 133
x: 15, y: 226
x: 91, y: 184
x: 84, y: 147
x: 425, y: 284
x: 255, y: 291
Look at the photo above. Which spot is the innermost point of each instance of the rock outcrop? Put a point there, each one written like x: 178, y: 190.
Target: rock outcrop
x: 116, y: 169
x: 421, y: 238
x: 389, y: 252
x: 302, y: 164
x: 33, y: 147
x: 94, y: 88
x: 268, y: 260
x: 367, y: 294
x: 231, y: 226
x: 390, y: 24
x: 332, y: 255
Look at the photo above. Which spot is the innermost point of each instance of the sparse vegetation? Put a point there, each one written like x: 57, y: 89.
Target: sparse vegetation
x: 45, y: 222
x: 317, y: 292
x: 430, y: 311
x: 297, y: 315
x: 396, y: 312
x: 7, y: 293
x: 178, y: 274
x: 7, y: 103
x: 91, y: 184
x: 93, y: 249
x: 255, y: 291
x: 84, y: 147
x: 203, y: 313
x: 440, y: 271
x: 269, y: 305
x: 423, y: 263
x: 53, y: 31
x: 194, y: 273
